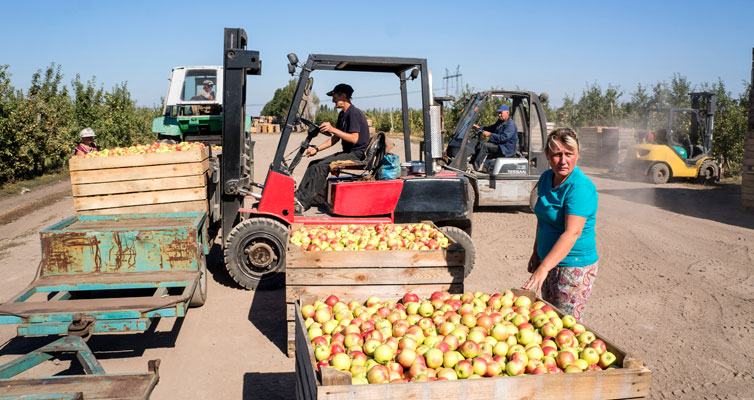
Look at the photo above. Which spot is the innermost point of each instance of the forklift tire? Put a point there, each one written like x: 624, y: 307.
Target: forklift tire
x: 200, y: 292
x: 709, y: 173
x: 533, y: 197
x: 659, y: 174
x: 464, y: 240
x: 255, y: 253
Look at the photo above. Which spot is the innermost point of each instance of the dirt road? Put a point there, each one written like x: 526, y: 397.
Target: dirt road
x: 675, y: 288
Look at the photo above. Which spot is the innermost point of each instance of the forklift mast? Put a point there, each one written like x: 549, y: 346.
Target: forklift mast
x: 704, y: 102
x: 235, y: 166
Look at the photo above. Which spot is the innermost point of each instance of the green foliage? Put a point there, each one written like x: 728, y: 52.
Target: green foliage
x: 39, y: 129
x: 281, y: 100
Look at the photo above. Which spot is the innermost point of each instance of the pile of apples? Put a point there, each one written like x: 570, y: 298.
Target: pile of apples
x: 449, y: 337
x: 155, y: 147
x: 417, y: 236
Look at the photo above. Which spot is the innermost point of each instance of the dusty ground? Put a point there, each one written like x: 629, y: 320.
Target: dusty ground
x: 675, y: 288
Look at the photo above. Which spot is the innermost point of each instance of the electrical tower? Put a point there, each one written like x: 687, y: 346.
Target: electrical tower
x: 446, y: 79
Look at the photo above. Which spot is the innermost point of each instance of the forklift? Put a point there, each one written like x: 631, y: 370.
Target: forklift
x: 505, y: 181
x: 256, y: 217
x: 677, y: 143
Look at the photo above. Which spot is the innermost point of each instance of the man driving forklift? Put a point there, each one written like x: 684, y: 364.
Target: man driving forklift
x: 503, y: 135
x: 351, y: 128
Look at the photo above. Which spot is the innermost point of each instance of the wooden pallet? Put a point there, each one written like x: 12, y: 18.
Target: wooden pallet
x: 141, y: 183
x: 382, y: 273
x: 632, y: 381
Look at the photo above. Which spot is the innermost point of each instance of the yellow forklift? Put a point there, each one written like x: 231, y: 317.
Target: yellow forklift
x: 677, y: 143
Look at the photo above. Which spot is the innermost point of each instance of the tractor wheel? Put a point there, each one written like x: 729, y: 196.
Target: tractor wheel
x: 709, y: 172
x: 472, y: 196
x: 464, y: 240
x: 200, y: 292
x: 533, y: 197
x: 659, y: 173
x: 255, y: 253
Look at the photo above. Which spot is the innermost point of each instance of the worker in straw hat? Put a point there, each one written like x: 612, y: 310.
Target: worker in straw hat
x: 87, y: 142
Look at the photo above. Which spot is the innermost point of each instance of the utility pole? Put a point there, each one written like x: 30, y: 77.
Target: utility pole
x: 457, y: 77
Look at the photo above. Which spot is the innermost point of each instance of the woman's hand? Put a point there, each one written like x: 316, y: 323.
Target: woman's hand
x: 533, y: 262
x: 537, y: 279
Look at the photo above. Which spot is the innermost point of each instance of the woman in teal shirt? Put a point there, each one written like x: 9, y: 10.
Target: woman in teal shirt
x: 564, y: 259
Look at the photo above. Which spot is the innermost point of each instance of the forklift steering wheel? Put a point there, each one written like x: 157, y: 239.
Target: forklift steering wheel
x: 313, y: 128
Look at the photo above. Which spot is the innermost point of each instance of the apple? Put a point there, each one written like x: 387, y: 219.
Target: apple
x: 586, y: 338
x: 464, y: 369
x: 582, y: 364
x: 341, y: 362
x: 500, y: 349
x: 450, y: 359
x: 469, y: 349
x: 590, y: 355
x: 332, y: 300
x: 568, y: 321
x: 434, y: 358
x: 479, y: 365
x: 493, y: 369
x: 565, y: 358
x: 378, y: 374
x: 447, y: 374
x: 572, y: 369
x: 598, y: 345
x: 514, y: 367
x: 358, y: 358
x: 321, y: 352
x: 308, y: 311
x: 606, y: 359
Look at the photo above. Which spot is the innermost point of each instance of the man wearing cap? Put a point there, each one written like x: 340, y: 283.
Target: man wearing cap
x: 206, y: 91
x: 351, y: 129
x: 87, y: 142
x: 503, y: 136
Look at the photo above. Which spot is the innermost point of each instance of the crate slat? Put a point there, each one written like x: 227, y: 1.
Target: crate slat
x: 140, y: 198
x: 297, y: 258
x: 375, y: 276
x: 140, y: 185
x: 172, y: 157
x: 184, y: 206
x: 140, y: 172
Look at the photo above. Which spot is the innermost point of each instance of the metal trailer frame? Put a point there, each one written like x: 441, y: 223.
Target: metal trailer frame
x: 95, y: 383
x: 104, y: 257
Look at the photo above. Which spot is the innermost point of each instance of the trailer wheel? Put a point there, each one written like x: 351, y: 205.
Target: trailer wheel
x: 200, y: 292
x: 255, y: 253
x: 533, y: 197
x: 464, y: 240
x: 709, y: 173
x: 659, y: 173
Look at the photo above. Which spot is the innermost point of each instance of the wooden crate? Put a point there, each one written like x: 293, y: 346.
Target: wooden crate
x: 632, y: 381
x: 382, y: 273
x: 141, y: 183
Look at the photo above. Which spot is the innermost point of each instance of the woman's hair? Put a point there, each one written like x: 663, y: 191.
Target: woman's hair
x: 563, y: 135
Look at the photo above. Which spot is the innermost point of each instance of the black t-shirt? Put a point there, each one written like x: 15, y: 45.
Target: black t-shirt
x: 353, y: 120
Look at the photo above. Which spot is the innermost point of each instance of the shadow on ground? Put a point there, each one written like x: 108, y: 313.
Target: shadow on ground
x: 720, y: 203
x: 269, y: 385
x: 268, y: 314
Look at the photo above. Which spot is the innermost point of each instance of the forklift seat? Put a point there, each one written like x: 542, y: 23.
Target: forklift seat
x: 375, y: 151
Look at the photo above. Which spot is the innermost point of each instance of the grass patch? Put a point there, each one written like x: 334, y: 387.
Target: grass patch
x: 10, y: 189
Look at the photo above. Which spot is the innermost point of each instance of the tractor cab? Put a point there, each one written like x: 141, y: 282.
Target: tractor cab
x: 503, y: 180
x: 193, y: 106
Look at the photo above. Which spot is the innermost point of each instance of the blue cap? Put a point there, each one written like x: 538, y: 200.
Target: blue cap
x: 503, y: 108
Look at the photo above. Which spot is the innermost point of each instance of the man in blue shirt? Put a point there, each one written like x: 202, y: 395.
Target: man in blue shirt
x: 503, y: 136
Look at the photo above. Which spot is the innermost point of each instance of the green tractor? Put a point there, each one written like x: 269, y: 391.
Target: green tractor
x: 194, y: 106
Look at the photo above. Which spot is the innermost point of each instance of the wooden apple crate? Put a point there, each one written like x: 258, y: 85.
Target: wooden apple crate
x: 354, y: 274
x: 632, y: 381
x: 141, y: 183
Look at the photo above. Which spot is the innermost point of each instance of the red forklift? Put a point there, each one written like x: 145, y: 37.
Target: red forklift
x: 256, y: 217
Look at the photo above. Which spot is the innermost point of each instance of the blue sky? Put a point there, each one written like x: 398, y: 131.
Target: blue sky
x: 552, y: 46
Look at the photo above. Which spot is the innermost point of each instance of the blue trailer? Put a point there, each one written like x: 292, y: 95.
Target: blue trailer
x: 105, y: 274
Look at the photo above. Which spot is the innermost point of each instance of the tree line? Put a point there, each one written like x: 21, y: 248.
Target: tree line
x: 39, y: 127
x: 595, y: 106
